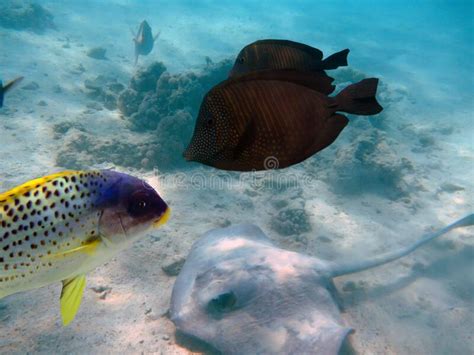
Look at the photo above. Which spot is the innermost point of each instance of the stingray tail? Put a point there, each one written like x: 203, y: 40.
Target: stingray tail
x: 336, y: 60
x: 359, y: 98
x: 356, y: 266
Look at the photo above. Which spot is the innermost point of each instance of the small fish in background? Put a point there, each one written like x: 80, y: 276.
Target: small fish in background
x: 283, y: 54
x: 59, y: 227
x: 273, y: 119
x: 8, y: 86
x: 241, y: 294
x: 144, y: 40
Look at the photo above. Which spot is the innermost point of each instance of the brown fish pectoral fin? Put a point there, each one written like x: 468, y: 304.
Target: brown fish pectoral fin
x: 71, y: 296
x: 334, y: 126
x: 246, y: 139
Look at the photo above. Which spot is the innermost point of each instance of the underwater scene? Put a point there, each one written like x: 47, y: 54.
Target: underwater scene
x: 236, y: 177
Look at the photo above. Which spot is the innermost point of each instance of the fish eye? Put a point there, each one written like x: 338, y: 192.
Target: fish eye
x: 209, y: 122
x: 139, y: 204
x: 225, y: 302
x: 241, y: 60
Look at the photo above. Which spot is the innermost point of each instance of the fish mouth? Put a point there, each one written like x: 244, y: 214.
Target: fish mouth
x: 163, y: 218
x: 187, y: 155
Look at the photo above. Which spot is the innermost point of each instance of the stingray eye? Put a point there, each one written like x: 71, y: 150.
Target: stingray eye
x: 139, y: 204
x: 223, y: 303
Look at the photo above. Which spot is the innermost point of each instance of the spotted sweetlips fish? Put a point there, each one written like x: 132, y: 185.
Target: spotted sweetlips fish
x: 61, y: 226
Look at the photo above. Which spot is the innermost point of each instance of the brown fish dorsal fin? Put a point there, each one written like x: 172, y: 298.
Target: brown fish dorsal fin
x: 317, y: 81
x: 316, y: 53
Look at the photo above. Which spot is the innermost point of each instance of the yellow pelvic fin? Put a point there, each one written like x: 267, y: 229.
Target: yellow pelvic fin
x: 88, y: 248
x: 71, y: 296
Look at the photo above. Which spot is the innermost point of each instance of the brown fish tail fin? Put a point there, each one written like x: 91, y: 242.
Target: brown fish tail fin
x: 336, y: 60
x: 359, y: 98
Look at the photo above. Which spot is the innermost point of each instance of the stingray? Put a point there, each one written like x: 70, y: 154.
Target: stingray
x: 243, y: 295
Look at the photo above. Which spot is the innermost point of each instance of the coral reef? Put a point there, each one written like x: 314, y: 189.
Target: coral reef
x: 370, y: 164
x: 155, y: 94
x: 33, y: 85
x: 291, y: 221
x: 173, y: 267
x: 97, y: 53
x: 105, y: 90
x: 25, y: 15
x: 159, y: 106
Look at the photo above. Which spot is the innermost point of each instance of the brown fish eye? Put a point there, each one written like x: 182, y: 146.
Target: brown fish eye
x: 241, y: 60
x: 209, y: 122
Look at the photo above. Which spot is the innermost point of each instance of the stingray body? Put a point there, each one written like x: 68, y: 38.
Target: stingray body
x: 144, y: 40
x: 243, y: 295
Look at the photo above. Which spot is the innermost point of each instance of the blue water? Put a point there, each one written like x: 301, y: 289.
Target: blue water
x: 397, y: 175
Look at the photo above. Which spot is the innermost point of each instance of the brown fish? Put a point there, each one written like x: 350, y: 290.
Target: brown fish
x: 253, y: 123
x: 282, y: 54
x: 144, y: 40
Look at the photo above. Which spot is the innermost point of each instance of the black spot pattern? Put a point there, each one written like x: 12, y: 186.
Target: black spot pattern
x: 41, y: 219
